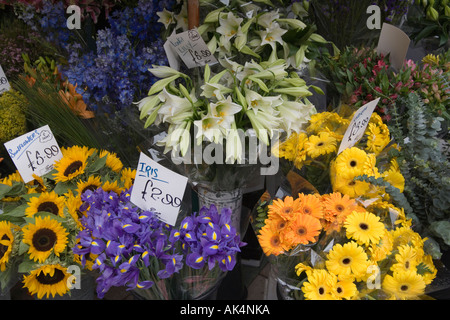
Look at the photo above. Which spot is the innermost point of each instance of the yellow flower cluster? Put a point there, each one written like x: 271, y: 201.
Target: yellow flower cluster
x: 51, y: 214
x: 318, y: 147
x: 376, y: 261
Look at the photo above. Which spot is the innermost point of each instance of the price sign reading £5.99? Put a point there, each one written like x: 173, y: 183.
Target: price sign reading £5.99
x: 158, y: 189
x: 358, y: 125
x: 34, y: 152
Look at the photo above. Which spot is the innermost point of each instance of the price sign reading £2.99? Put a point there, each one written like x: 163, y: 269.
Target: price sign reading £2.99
x: 358, y: 125
x: 158, y: 189
x: 34, y: 152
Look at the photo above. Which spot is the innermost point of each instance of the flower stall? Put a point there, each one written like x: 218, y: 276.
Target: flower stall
x: 286, y: 138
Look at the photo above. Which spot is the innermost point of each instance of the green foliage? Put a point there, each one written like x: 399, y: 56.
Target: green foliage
x: 424, y: 163
x: 12, y: 117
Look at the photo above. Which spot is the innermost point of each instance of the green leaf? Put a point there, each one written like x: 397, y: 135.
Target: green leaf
x: 23, y: 248
x: 97, y: 165
x: 26, y: 266
x: 18, y: 211
x: 4, y: 189
x: 442, y: 229
x: 160, y: 84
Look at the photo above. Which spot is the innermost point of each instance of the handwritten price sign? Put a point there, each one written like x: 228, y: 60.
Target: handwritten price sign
x: 4, y: 83
x: 158, y: 189
x: 34, y: 152
x: 358, y: 125
x: 191, y: 48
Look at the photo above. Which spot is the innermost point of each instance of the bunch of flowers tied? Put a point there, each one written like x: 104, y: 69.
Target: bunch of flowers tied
x: 314, y: 152
x: 40, y: 219
x: 347, y: 250
x: 133, y: 248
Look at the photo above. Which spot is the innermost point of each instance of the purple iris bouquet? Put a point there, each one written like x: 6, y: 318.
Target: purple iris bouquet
x: 132, y: 248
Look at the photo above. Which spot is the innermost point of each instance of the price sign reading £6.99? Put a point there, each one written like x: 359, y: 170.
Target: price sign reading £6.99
x: 158, y: 189
x: 34, y: 152
x: 358, y: 125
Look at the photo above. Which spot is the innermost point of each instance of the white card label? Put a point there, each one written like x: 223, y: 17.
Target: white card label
x: 34, y: 152
x: 191, y: 48
x: 4, y: 83
x: 395, y: 42
x: 158, y: 189
x: 358, y: 125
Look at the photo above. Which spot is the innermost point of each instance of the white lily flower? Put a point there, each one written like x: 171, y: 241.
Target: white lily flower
x: 182, y: 18
x: 166, y: 17
x: 234, y: 146
x: 209, y: 128
x: 163, y: 71
x: 267, y: 19
x: 295, y: 115
x: 172, y: 106
x: 228, y: 28
x: 224, y: 108
x: 214, y: 91
x: 257, y: 102
x: 272, y: 35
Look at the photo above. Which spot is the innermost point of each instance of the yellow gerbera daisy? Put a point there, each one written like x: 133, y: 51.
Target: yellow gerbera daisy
x: 72, y: 164
x: 382, y: 249
x: 112, y: 161
x: 350, y: 186
x: 347, y: 260
x: 404, y: 285
x: 321, y: 144
x: 92, y: 183
x: 406, y: 259
x: 44, y: 237
x: 428, y: 277
x: 395, y: 178
x: 364, y: 227
x: 6, y: 243
x: 377, y: 138
x: 319, y: 285
x: 350, y: 162
x: 345, y: 289
x: 47, y: 280
x: 46, y: 202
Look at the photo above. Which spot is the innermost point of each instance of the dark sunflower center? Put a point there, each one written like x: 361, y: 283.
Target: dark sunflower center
x: 3, y: 248
x: 57, y: 277
x: 72, y: 168
x: 404, y: 287
x: 363, y: 226
x: 48, y: 206
x: 321, y: 290
x: 346, y: 260
x: 353, y: 163
x: 44, y: 239
x: 91, y: 187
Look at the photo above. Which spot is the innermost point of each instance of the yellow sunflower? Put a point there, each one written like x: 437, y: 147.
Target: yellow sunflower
x: 364, y: 227
x: 112, y: 161
x: 347, y: 260
x: 404, y: 285
x: 73, y: 204
x: 48, y: 202
x: 6, y: 243
x: 44, y: 237
x: 92, y: 183
x: 350, y: 162
x: 319, y: 285
x: 321, y: 144
x: 127, y: 177
x: 72, y: 164
x: 9, y: 180
x: 47, y: 280
x: 36, y: 185
x: 109, y: 186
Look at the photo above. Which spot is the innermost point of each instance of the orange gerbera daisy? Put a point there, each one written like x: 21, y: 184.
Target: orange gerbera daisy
x: 285, y: 209
x: 337, y: 204
x: 311, y: 204
x: 270, y: 241
x: 303, y: 229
